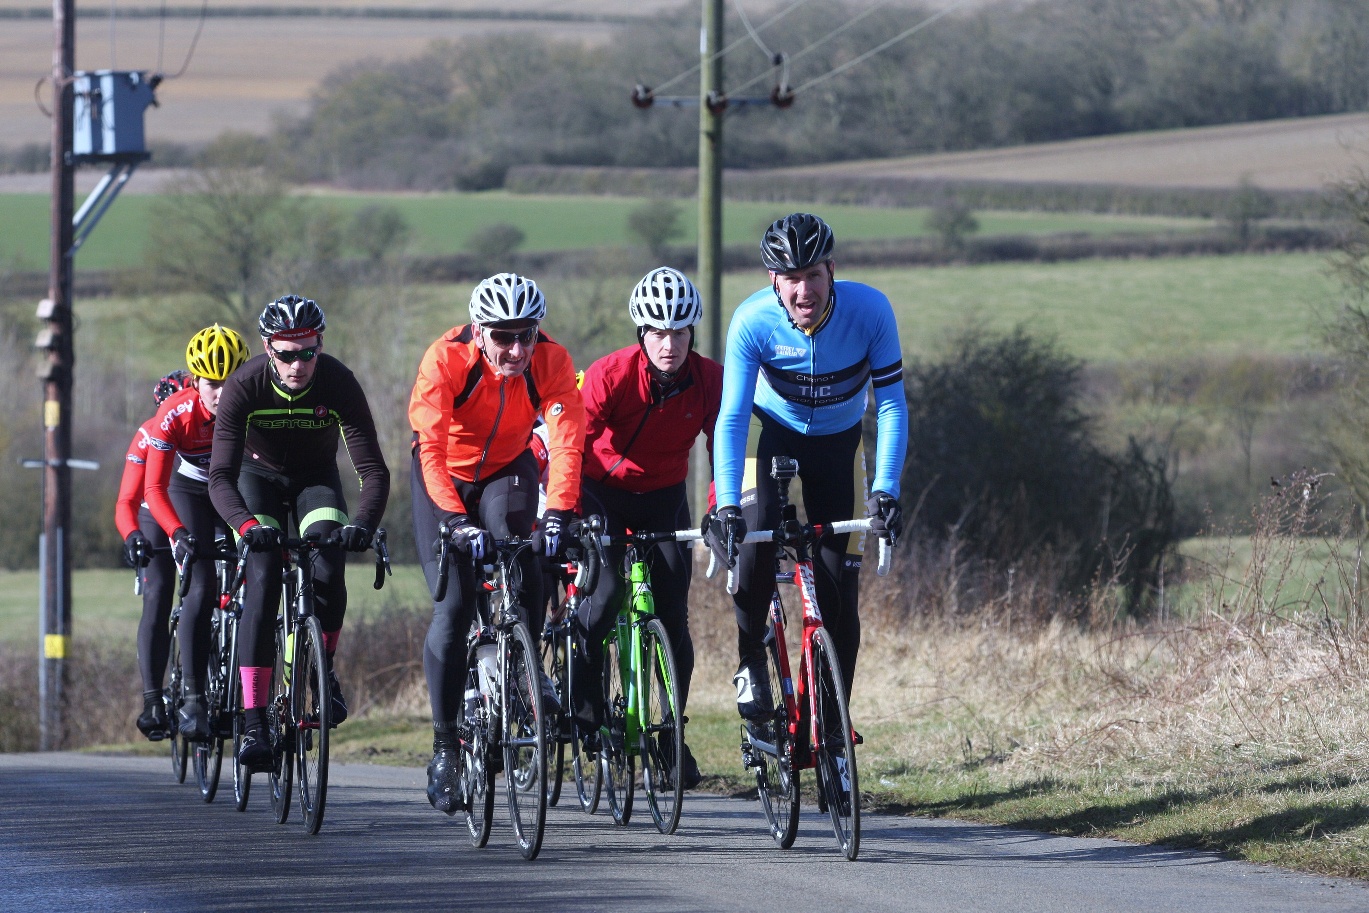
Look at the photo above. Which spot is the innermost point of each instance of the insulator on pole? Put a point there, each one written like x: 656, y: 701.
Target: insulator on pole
x: 642, y: 96
x: 781, y: 96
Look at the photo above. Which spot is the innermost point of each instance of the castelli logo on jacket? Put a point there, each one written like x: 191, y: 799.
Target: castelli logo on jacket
x: 320, y: 411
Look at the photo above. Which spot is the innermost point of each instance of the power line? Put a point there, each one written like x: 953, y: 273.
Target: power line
x: 872, y: 52
x: 694, y: 69
x: 863, y: 57
x: 746, y: 22
x: 821, y: 41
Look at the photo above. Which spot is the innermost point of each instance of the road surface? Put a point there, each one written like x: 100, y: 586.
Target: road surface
x: 102, y: 833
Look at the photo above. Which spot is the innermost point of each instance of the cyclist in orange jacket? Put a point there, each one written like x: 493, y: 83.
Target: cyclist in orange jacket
x: 479, y: 391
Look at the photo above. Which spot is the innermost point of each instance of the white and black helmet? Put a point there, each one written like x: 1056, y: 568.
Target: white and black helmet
x: 665, y: 300
x: 796, y: 242
x: 291, y: 315
x: 507, y: 296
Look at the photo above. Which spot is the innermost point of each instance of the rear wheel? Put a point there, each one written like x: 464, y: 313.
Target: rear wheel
x: 836, y: 754
x: 311, y: 702
x: 524, y: 741
x: 556, y: 667
x: 615, y: 760
x: 477, y: 777
x: 180, y: 748
x: 661, y: 746
x: 279, y: 727
x: 777, y: 782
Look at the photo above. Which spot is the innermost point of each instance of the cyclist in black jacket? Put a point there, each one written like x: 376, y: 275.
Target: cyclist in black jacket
x: 275, y: 453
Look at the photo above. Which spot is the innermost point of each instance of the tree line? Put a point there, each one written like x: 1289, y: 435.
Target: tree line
x: 463, y: 113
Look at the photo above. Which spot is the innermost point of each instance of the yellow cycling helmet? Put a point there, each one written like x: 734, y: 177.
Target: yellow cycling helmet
x: 215, y: 352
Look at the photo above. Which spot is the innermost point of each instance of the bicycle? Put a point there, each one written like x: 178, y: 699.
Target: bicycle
x: 642, y: 699
x: 174, y: 690
x: 559, y: 655
x: 222, y: 692
x: 816, y: 701
x: 299, y: 712
x: 503, y: 707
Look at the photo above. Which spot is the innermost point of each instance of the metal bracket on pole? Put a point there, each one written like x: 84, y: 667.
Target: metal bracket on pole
x: 73, y: 464
x: 88, y: 216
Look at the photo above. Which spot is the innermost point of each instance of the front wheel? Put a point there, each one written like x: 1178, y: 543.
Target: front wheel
x: 524, y: 740
x: 836, y: 750
x: 616, y: 761
x: 661, y: 745
x: 311, y: 703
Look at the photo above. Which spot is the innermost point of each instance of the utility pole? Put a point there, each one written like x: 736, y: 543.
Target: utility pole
x: 56, y: 372
x: 712, y: 106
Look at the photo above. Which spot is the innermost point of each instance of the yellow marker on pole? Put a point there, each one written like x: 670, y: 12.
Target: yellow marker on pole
x: 56, y: 646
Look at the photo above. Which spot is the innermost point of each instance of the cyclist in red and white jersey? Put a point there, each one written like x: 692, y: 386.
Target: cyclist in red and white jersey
x: 180, y: 502
x: 146, y: 544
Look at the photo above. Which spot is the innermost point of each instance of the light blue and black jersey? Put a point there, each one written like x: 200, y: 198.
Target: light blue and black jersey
x: 815, y: 384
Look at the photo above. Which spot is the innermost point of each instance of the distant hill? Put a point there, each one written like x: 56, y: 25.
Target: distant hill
x: 1298, y: 154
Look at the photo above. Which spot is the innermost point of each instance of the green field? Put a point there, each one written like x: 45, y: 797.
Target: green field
x: 442, y: 222
x: 1122, y: 310
x: 104, y: 608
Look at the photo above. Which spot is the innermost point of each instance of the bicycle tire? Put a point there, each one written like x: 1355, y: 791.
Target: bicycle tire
x: 614, y: 755
x: 556, y: 668
x: 839, y: 789
x: 242, y: 777
x: 208, y: 764
x: 477, y: 777
x: 312, y: 704
x: 208, y: 756
x: 660, y: 745
x: 279, y: 728
x: 524, y: 740
x: 777, y: 781
x: 180, y: 748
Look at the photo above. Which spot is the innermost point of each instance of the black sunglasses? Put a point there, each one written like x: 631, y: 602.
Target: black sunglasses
x: 289, y: 358
x: 506, y: 338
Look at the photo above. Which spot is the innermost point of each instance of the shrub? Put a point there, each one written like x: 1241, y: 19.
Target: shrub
x: 1001, y: 457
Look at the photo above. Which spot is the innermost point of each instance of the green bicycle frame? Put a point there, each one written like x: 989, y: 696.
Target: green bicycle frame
x: 639, y: 607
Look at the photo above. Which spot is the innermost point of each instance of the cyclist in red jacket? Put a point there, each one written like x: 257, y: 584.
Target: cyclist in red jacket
x: 146, y: 545
x: 180, y: 502
x: 645, y: 406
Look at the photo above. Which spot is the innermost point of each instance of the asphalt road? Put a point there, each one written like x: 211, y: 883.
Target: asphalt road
x: 106, y: 833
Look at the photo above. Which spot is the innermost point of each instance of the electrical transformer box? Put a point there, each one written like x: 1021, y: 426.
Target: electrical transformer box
x: 108, y: 114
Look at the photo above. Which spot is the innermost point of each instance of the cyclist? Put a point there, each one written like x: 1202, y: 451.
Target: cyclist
x: 143, y: 537
x: 479, y: 390
x: 181, y: 505
x: 800, y: 356
x: 645, y: 406
x: 275, y: 453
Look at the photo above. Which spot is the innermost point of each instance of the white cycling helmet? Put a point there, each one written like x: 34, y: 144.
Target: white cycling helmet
x: 507, y: 296
x: 665, y: 300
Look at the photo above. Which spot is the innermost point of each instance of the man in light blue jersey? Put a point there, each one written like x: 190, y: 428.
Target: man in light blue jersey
x: 801, y: 358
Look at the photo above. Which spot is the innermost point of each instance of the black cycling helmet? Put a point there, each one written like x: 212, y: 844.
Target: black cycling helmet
x: 174, y: 382
x: 291, y: 316
x: 796, y: 242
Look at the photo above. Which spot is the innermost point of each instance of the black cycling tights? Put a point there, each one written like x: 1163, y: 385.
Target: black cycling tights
x: 671, y: 572
x: 505, y: 504
x: 159, y: 585
x: 191, y: 501
x: 828, y: 471
x: 318, y: 506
